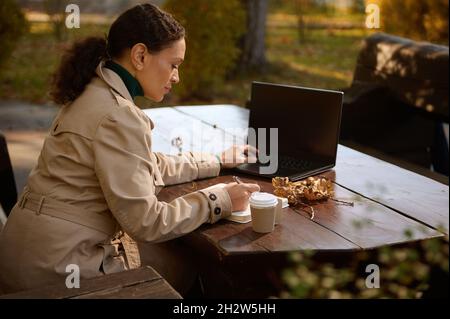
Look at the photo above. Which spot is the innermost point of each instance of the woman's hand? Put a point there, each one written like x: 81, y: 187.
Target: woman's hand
x: 240, y: 194
x: 238, y: 154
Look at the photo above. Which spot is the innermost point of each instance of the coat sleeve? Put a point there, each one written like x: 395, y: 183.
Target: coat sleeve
x: 187, y: 167
x: 125, y: 171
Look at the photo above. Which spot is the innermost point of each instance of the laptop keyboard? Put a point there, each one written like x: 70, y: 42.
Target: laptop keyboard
x: 293, y: 163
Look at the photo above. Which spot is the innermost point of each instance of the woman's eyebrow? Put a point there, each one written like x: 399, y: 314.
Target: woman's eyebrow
x: 180, y: 60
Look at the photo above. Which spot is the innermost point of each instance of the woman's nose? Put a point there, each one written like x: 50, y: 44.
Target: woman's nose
x: 175, y: 78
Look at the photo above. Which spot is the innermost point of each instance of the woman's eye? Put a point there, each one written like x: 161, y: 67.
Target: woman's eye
x: 174, y: 66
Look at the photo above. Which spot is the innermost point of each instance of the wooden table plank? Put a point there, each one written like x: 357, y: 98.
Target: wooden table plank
x: 231, y: 118
x: 126, y: 284
x: 166, y: 120
x: 294, y: 233
x: 335, y: 226
x: 407, y: 192
x: 195, y: 134
x: 368, y: 224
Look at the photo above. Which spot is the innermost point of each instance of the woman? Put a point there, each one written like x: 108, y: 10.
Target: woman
x: 92, y: 194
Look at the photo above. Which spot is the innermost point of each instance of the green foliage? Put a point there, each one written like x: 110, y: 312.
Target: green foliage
x: 326, y: 61
x: 213, y: 29
x: 358, y: 6
x: 12, y: 26
x: 306, y: 6
x: 24, y: 79
x: 56, y: 10
x: 420, y: 20
x: 404, y: 273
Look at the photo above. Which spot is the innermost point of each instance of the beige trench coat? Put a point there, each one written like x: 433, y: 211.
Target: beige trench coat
x: 96, y: 180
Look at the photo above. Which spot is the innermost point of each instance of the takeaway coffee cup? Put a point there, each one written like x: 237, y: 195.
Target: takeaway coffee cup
x: 279, y: 210
x: 263, y: 207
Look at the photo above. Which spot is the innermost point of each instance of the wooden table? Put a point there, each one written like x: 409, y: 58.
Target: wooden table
x: 391, y: 205
x: 141, y: 283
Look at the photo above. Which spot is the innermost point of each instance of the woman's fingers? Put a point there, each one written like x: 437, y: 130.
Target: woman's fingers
x: 239, y: 154
x: 251, y: 187
x: 240, y: 194
x: 241, y: 159
x: 245, y: 154
x: 250, y: 150
x: 251, y: 159
x: 245, y: 188
x: 246, y: 159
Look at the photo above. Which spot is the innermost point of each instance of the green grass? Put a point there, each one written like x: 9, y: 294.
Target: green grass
x: 326, y: 59
x: 26, y: 75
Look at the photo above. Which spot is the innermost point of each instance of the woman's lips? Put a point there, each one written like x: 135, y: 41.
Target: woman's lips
x: 167, y: 89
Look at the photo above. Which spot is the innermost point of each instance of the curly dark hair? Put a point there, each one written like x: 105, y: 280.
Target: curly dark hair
x: 144, y: 23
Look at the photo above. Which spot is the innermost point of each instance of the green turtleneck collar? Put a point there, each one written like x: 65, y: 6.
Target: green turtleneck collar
x: 133, y: 86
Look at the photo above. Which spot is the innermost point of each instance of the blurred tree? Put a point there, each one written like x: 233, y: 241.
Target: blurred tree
x: 420, y: 20
x: 12, y: 26
x: 253, y: 54
x: 213, y: 28
x: 357, y: 6
x: 56, y: 10
x: 302, y: 6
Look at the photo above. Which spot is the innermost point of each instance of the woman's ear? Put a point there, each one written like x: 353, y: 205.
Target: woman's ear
x: 137, y: 55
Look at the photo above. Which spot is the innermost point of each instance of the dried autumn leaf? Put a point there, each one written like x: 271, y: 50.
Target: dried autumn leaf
x: 310, y: 189
x: 305, y: 191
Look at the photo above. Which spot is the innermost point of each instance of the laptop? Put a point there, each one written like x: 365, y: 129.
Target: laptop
x: 296, y: 130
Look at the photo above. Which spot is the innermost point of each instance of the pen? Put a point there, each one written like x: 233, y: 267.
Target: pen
x: 237, y: 180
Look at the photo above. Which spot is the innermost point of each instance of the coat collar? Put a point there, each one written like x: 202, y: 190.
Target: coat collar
x: 133, y: 86
x: 113, y: 80
x: 116, y: 84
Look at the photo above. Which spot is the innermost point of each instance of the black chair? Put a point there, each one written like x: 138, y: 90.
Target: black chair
x: 8, y: 191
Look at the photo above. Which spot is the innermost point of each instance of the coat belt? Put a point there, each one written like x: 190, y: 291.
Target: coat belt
x: 41, y: 204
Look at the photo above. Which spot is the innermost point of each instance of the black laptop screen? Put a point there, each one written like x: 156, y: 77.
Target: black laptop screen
x: 308, y: 120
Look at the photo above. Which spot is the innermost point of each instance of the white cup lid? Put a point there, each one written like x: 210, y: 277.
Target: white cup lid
x: 260, y: 199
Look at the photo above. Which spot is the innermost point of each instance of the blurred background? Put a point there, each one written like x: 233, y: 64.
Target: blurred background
x: 394, y: 74
x: 314, y: 43
x: 304, y: 42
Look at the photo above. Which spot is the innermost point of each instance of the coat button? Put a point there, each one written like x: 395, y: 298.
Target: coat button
x: 212, y: 197
x: 217, y: 210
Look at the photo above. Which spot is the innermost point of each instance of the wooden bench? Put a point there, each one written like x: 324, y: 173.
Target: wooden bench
x: 398, y: 101
x: 141, y: 283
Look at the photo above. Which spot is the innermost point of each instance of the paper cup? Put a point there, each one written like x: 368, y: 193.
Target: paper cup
x: 279, y: 211
x: 263, y: 207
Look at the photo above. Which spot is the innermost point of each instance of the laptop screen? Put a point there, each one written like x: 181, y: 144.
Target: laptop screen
x: 308, y: 120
